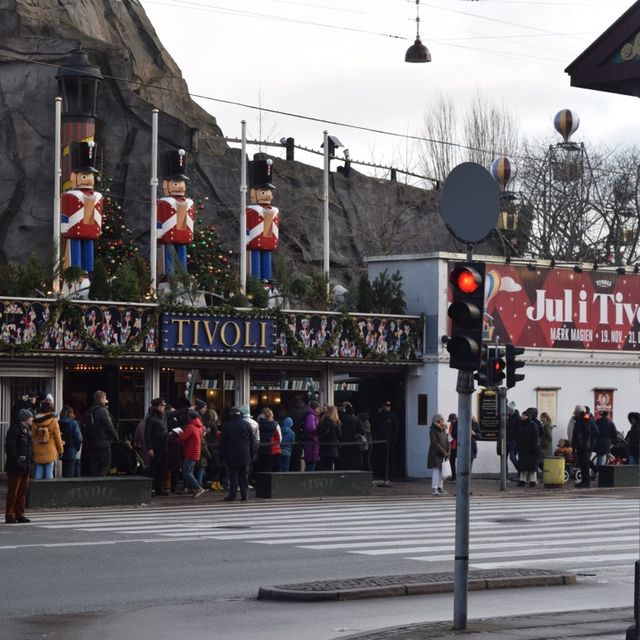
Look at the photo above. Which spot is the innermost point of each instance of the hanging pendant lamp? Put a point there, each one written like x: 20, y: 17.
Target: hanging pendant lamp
x: 417, y: 52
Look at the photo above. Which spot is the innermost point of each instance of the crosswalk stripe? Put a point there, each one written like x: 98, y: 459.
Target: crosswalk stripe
x: 379, y: 546
x: 504, y: 532
x: 562, y: 560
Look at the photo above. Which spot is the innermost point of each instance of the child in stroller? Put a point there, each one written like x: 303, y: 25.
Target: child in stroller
x: 563, y: 448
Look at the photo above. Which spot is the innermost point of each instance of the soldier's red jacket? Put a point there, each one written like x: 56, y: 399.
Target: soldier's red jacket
x: 72, y: 209
x: 257, y: 238
x: 167, y: 225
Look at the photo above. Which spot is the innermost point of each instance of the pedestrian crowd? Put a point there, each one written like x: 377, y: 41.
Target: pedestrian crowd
x: 189, y: 449
x: 590, y: 443
x: 192, y: 443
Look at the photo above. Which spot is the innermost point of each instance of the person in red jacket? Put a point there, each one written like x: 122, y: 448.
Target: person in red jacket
x: 191, y: 439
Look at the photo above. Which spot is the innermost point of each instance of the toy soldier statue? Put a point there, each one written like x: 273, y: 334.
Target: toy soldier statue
x: 176, y: 212
x: 81, y: 207
x: 263, y: 220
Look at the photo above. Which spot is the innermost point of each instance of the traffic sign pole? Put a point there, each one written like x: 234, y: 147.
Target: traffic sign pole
x: 463, y: 467
x: 502, y: 399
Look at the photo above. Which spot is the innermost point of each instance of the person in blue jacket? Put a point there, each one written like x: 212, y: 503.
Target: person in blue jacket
x: 72, y: 439
x: 288, y: 438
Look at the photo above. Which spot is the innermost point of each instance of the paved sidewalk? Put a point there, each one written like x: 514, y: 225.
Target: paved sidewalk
x: 402, y: 489
x: 601, y: 624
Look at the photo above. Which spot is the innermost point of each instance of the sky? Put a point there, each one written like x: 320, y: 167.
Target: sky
x: 342, y: 61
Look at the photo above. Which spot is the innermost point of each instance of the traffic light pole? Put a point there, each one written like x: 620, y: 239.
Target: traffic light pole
x: 502, y: 412
x: 465, y: 390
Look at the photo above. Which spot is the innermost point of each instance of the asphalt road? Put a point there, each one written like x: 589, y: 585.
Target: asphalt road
x: 193, y: 571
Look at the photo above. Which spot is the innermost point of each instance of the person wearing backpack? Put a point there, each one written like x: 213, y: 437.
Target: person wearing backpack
x: 99, y: 433
x: 47, y: 441
x: 270, y: 439
x: 72, y: 439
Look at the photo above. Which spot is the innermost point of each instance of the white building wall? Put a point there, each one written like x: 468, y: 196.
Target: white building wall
x: 574, y: 374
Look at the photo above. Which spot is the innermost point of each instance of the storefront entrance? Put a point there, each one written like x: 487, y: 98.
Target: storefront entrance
x: 368, y: 391
x: 124, y: 385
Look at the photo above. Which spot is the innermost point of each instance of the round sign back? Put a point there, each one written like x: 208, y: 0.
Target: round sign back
x: 470, y: 202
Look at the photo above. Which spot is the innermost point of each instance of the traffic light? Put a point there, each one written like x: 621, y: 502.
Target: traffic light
x: 496, y: 366
x: 512, y: 364
x: 482, y: 375
x: 466, y: 311
x: 492, y: 365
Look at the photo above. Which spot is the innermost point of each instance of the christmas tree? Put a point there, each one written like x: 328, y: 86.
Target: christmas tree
x: 115, y: 246
x: 209, y: 261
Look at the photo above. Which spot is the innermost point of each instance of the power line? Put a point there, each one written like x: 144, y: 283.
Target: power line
x: 264, y: 16
x: 497, y: 20
x: 189, y: 4
x: 553, y: 3
x: 288, y: 114
x: 324, y: 121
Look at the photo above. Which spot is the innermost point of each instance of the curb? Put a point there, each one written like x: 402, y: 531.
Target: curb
x: 413, y: 584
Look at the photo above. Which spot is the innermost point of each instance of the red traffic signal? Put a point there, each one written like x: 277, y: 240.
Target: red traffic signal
x: 466, y: 311
x: 497, y: 366
x: 466, y: 279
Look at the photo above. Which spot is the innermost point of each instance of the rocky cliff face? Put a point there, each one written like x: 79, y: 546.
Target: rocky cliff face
x: 368, y: 216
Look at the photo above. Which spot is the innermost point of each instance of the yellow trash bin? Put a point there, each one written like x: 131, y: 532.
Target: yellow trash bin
x: 553, y: 471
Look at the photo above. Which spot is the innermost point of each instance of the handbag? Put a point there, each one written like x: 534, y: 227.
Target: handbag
x: 275, y: 443
x: 445, y: 471
x: 362, y: 443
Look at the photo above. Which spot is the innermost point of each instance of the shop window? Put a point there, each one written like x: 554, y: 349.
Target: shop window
x: 217, y: 387
x: 282, y: 389
x: 124, y: 385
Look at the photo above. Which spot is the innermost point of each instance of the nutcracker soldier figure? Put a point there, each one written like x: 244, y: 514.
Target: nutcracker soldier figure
x: 263, y: 220
x: 81, y: 207
x: 176, y: 212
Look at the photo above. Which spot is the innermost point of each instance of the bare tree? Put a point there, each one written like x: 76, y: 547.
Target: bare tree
x: 440, y: 129
x: 483, y: 132
x: 490, y: 131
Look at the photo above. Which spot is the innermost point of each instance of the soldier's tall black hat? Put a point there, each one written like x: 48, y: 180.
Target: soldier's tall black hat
x: 174, y: 165
x: 83, y: 157
x: 261, y: 174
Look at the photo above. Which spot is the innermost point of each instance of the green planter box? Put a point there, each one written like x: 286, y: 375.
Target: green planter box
x: 89, y: 492
x: 313, y: 484
x: 618, y: 475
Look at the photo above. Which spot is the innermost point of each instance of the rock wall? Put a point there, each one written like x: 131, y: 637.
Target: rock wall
x: 368, y: 216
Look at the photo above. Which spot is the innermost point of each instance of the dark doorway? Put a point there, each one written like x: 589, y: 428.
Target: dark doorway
x: 124, y: 385
x: 368, y: 392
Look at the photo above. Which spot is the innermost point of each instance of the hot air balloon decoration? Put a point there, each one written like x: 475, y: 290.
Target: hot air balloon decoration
x: 503, y: 171
x: 566, y: 123
x: 567, y: 158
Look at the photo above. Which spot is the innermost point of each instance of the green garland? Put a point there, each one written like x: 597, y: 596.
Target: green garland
x: 75, y: 317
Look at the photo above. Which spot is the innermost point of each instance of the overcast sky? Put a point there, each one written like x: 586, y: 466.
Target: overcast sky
x: 278, y: 54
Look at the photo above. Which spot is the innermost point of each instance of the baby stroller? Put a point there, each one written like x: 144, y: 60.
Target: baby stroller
x: 619, y: 450
x: 124, y: 459
x: 571, y: 469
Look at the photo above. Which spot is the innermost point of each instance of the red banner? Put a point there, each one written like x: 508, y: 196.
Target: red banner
x: 603, y: 401
x: 562, y: 309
